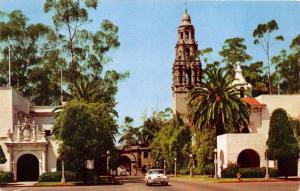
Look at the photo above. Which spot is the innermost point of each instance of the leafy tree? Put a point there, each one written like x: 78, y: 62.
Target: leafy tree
x: 130, y: 135
x: 85, y: 131
x: 204, y: 150
x: 34, y: 58
x: 84, y: 50
x: 172, y: 140
x: 2, y: 156
x: 263, y: 35
x: 282, y: 144
x: 288, y: 67
x: 216, y: 104
x: 205, y: 56
x: 254, y: 74
x: 234, y: 51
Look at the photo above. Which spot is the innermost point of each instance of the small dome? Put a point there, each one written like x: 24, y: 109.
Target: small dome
x: 185, y: 19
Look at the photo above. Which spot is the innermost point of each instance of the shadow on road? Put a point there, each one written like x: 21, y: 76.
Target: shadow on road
x: 130, y: 179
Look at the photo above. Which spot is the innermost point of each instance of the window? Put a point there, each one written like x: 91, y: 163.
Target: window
x: 145, y: 154
x: 48, y: 133
x: 186, y: 35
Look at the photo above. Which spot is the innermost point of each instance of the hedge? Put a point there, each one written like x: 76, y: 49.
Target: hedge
x: 257, y: 172
x: 56, y: 177
x: 6, y: 176
x: 253, y: 172
x: 70, y: 176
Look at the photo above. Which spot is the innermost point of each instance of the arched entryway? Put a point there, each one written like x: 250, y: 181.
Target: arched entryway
x: 27, y: 168
x: 248, y: 158
x: 125, y: 163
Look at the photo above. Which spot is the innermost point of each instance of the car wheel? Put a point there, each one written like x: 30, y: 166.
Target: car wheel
x: 166, y: 183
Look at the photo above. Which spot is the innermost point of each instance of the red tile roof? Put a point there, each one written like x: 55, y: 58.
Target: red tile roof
x: 253, y: 102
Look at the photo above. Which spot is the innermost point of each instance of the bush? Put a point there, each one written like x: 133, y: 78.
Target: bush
x: 257, y: 172
x: 184, y: 171
x: 56, y: 176
x: 253, y: 172
x: 230, y: 171
x: 6, y: 176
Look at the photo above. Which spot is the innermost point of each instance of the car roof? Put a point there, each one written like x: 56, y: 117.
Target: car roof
x: 155, y: 169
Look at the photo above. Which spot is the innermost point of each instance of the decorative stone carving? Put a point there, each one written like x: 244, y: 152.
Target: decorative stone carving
x: 26, y: 132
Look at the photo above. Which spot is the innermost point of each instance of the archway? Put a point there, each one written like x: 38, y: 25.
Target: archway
x: 27, y: 168
x: 125, y: 163
x: 248, y: 158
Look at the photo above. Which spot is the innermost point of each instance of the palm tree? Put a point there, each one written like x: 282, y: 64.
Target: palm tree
x: 216, y: 103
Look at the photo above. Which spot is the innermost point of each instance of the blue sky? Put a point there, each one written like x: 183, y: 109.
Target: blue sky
x: 148, y: 32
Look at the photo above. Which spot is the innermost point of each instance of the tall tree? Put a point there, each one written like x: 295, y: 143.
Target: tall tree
x: 263, y: 35
x: 85, y: 131
x: 34, y: 58
x: 282, y: 143
x: 234, y: 51
x: 130, y: 135
x: 172, y: 140
x: 254, y: 74
x: 216, y: 103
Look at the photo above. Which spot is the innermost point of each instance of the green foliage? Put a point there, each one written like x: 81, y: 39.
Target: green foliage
x: 6, y: 176
x: 85, y: 131
x: 172, y: 140
x: 254, y: 74
x: 257, y: 172
x: 233, y: 52
x: 130, y: 135
x: 204, y: 150
x: 253, y: 172
x: 2, y: 156
x: 56, y: 176
x: 281, y: 140
x: 216, y: 103
x: 34, y: 58
x: 231, y: 170
x: 184, y: 171
x: 288, y: 68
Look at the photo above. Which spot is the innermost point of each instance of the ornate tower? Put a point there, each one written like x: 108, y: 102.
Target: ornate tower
x: 186, y: 68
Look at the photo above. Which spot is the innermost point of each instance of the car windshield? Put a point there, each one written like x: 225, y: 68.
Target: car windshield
x: 156, y: 172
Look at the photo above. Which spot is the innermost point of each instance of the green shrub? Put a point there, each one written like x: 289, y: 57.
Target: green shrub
x: 230, y: 171
x: 257, y: 172
x: 184, y: 171
x: 56, y: 176
x: 6, y: 176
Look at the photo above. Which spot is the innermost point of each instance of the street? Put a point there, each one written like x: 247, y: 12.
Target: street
x: 137, y: 184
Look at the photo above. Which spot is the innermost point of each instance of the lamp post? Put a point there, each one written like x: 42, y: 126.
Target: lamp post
x: 191, y: 165
x: 63, y: 180
x: 108, y: 164
x: 175, y: 167
x: 164, y: 167
x: 267, y: 176
x: 216, y: 163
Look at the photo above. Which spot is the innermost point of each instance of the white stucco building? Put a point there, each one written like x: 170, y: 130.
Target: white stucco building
x: 248, y: 148
x: 26, y: 136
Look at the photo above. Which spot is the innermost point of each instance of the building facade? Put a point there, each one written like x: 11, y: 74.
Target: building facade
x: 26, y: 136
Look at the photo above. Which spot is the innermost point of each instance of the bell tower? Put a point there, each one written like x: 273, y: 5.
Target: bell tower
x: 187, y: 66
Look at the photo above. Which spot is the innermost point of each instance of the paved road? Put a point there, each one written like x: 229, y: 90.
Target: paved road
x: 136, y: 184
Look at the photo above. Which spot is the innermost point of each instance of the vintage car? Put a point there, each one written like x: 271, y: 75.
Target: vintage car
x: 156, y: 176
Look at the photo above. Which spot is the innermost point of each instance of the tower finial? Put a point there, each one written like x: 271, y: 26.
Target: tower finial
x: 185, y: 5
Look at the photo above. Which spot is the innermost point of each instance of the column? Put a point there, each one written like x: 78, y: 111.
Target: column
x: 9, y: 160
x: 44, y: 162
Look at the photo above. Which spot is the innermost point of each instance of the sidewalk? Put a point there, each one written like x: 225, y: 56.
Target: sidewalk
x: 18, y: 184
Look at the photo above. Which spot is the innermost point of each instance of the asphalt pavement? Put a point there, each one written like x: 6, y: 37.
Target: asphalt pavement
x: 137, y: 184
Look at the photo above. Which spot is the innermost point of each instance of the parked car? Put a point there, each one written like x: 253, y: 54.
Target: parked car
x: 156, y: 176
